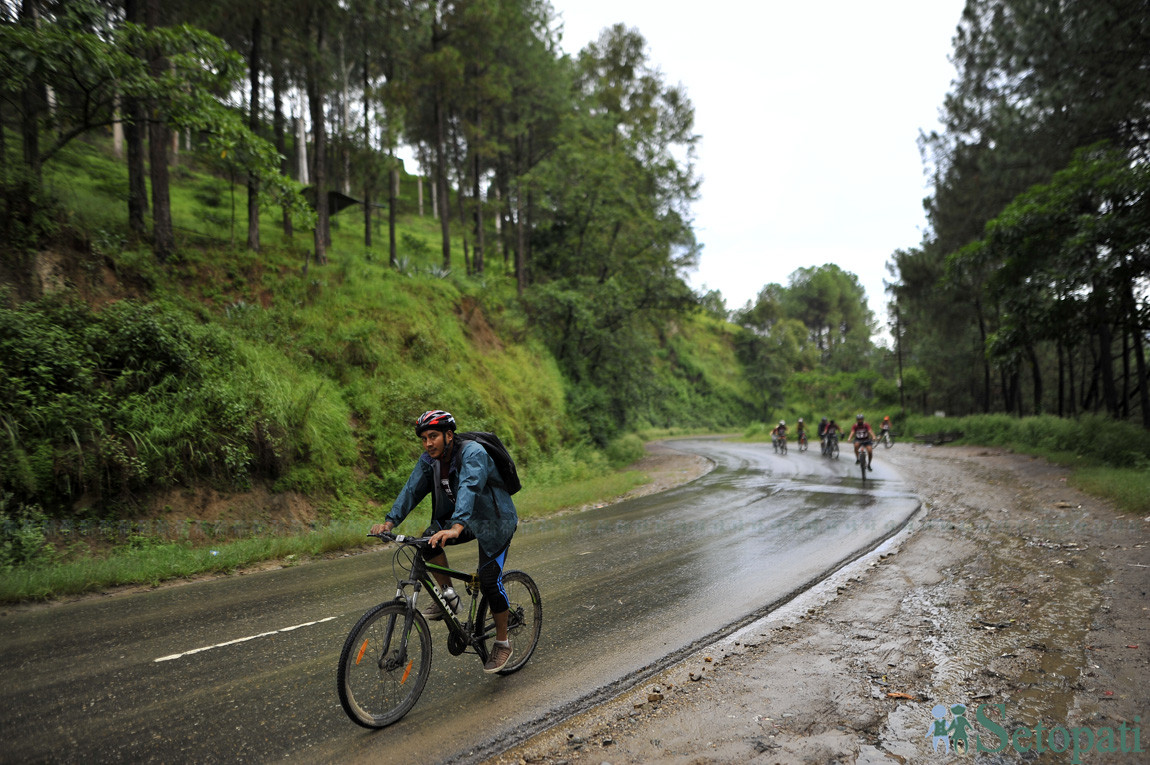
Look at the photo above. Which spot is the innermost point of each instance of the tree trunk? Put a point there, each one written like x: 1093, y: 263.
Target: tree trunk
x: 520, y: 235
x: 117, y: 131
x: 302, y: 163
x: 1058, y: 349
x: 477, y: 192
x: 392, y: 185
x: 163, y: 235
x: 278, y: 121
x: 1124, y: 400
x: 1036, y: 378
x: 441, y: 177
x: 369, y: 169
x: 1132, y: 317
x: 529, y: 211
x: 34, y: 101
x: 461, y: 205
x: 254, y: 62
x: 134, y: 144
x: 319, y: 150
x: 986, y: 376
x: 1105, y: 352
x: 1090, y: 396
x: 1071, y: 389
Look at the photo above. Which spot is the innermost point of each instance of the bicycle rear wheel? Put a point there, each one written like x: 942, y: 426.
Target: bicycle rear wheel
x: 524, y: 621
x: 381, y: 674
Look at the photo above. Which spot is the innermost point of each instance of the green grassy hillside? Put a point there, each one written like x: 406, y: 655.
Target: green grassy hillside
x: 233, y: 387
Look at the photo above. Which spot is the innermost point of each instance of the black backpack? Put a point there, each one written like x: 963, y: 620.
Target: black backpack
x: 499, y: 455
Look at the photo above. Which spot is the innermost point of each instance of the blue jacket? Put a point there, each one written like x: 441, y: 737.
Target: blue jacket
x: 481, y: 503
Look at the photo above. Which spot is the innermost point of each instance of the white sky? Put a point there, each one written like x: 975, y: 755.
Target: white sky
x: 808, y: 115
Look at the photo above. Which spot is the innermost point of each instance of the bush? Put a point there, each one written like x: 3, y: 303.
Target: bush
x: 23, y: 541
x: 1099, y: 439
x: 625, y: 450
x: 142, y: 395
x: 757, y: 431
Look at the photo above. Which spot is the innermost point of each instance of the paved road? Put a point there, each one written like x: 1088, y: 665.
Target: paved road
x: 243, y: 668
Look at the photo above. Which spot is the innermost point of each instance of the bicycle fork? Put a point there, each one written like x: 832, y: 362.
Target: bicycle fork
x: 394, y: 658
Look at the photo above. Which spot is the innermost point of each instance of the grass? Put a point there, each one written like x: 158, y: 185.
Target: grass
x: 1107, y: 459
x: 1127, y: 488
x: 152, y: 563
x: 568, y: 481
x: 547, y: 500
x: 565, y: 481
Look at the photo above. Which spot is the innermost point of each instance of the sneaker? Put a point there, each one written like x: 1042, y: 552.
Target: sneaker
x: 500, y: 655
x: 432, y: 611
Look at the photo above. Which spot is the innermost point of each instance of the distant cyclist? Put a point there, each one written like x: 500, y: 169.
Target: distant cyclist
x: 823, y: 433
x: 863, y: 436
x: 779, y: 433
x: 885, y: 427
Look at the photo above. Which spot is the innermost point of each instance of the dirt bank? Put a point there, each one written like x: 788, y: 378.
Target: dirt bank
x: 1010, y: 589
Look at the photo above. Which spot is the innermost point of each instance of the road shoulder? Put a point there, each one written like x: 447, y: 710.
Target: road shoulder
x: 1010, y: 589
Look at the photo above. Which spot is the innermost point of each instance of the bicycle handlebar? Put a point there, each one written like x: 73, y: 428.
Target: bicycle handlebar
x: 387, y: 536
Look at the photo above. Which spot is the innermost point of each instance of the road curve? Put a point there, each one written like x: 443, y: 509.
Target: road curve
x: 243, y: 668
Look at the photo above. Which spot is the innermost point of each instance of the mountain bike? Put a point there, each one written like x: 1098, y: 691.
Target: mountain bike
x: 831, y: 446
x: 864, y: 458
x: 886, y: 439
x: 780, y: 444
x: 802, y: 442
x: 386, y: 658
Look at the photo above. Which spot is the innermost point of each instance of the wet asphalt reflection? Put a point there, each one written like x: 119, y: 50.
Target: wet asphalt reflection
x: 626, y: 589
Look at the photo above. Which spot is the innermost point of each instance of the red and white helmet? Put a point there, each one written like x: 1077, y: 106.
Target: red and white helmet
x: 436, y: 419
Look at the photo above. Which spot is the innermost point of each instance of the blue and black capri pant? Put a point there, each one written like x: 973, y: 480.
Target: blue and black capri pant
x: 490, y: 566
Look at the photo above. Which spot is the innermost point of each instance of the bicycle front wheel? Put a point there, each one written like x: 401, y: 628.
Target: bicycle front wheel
x: 888, y: 441
x: 834, y: 450
x: 524, y: 620
x: 384, y: 665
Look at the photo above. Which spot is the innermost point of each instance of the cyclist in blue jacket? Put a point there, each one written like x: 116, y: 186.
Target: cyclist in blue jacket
x: 468, y: 501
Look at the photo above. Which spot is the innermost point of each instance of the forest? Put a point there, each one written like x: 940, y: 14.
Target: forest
x: 1030, y: 292
x: 257, y: 289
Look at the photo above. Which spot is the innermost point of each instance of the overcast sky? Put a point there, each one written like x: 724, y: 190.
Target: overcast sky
x: 808, y: 115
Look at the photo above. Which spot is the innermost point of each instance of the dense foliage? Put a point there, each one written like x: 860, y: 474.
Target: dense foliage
x: 103, y: 405
x: 577, y: 171
x: 535, y: 278
x: 1029, y: 292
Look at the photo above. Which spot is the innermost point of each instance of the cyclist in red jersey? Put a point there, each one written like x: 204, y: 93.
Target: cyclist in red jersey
x: 862, y: 434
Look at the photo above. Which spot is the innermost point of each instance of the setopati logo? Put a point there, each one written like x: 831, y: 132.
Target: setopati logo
x: 952, y: 733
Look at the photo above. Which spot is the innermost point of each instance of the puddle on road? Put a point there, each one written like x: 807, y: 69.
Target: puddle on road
x: 1010, y: 627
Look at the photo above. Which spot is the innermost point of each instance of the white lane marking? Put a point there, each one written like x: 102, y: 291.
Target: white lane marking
x: 242, y: 640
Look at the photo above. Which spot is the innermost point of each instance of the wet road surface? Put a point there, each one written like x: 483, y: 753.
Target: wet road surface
x: 243, y: 669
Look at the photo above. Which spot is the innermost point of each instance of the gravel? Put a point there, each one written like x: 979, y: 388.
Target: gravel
x: 1009, y: 589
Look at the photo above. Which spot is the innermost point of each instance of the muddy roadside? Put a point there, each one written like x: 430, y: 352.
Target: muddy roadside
x: 1010, y: 590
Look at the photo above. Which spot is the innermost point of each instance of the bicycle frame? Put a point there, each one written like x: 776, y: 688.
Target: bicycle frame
x: 382, y: 673
x: 421, y: 579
